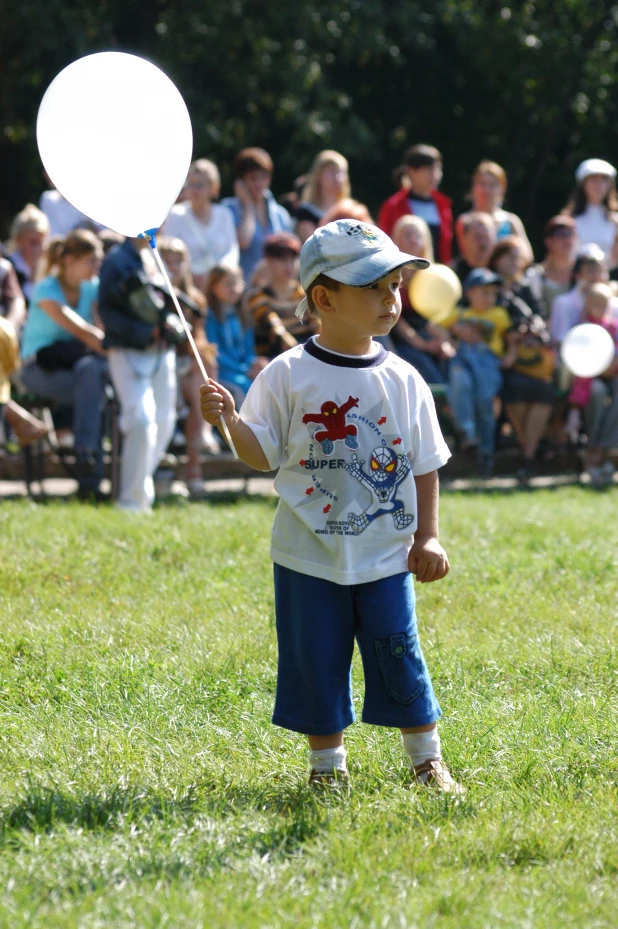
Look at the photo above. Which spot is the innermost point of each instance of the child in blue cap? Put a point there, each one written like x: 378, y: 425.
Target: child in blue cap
x: 475, y: 373
x: 353, y: 432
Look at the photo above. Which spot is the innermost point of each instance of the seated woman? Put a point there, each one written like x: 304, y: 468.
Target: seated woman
x: 206, y: 228
x: 551, y: 277
x: 198, y: 434
x: 414, y: 338
x: 62, y: 347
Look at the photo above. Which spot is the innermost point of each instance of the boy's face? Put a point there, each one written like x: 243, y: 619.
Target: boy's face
x: 482, y: 297
x: 361, y: 312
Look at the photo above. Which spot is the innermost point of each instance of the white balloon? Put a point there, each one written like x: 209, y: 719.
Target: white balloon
x: 587, y: 350
x: 115, y: 137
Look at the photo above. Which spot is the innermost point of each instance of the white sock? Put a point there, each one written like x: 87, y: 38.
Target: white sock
x: 327, y: 760
x: 421, y: 746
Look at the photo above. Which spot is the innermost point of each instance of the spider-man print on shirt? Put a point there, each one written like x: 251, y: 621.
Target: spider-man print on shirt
x: 386, y: 472
x: 332, y: 418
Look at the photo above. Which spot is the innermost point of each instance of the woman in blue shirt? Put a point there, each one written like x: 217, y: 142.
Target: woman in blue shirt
x: 256, y: 212
x: 62, y: 347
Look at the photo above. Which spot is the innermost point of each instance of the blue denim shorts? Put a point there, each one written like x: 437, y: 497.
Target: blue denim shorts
x: 317, y: 623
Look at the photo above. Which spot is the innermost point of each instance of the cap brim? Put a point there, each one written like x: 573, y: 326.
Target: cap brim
x: 370, y: 268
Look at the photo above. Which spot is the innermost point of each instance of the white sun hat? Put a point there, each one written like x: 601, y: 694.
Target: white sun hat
x: 594, y: 166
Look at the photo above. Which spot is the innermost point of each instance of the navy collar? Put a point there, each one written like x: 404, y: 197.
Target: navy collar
x: 345, y: 361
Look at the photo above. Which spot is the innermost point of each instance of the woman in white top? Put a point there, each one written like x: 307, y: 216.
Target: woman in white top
x: 206, y: 228
x: 594, y: 207
x: 489, y: 184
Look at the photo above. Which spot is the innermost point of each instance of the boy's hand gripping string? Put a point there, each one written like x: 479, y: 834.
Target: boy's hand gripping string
x: 153, y: 245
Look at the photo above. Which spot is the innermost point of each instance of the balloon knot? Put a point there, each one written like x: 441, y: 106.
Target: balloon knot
x: 149, y: 234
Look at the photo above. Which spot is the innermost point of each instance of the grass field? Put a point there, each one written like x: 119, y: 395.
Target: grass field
x: 143, y: 785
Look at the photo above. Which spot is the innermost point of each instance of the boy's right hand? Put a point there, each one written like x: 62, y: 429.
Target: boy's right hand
x: 214, y: 401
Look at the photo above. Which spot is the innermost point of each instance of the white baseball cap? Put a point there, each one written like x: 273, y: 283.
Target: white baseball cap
x: 594, y: 166
x: 352, y: 253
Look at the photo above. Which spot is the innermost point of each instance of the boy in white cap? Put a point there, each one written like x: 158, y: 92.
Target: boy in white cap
x: 353, y: 431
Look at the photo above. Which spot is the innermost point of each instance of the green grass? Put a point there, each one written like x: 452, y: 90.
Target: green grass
x: 143, y: 785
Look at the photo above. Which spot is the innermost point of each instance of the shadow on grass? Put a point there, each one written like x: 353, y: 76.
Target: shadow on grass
x: 300, y: 813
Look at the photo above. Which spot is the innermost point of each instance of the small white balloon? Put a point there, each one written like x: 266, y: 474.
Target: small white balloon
x: 587, y: 350
x: 115, y: 137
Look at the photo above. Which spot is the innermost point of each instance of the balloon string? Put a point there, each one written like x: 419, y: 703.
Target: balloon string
x: 198, y: 357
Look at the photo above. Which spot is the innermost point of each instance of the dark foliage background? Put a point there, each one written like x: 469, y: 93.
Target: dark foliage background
x: 530, y: 85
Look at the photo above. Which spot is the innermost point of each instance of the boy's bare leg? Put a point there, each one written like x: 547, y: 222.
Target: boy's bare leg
x: 328, y: 759
x: 319, y: 742
x: 427, y: 728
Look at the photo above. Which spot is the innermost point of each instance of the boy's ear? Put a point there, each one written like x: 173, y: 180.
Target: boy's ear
x: 321, y: 297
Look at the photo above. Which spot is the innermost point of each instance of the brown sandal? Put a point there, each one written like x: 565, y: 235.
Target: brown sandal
x: 332, y: 778
x: 434, y: 773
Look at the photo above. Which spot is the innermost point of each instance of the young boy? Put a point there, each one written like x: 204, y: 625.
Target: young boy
x: 353, y: 431
x: 475, y: 376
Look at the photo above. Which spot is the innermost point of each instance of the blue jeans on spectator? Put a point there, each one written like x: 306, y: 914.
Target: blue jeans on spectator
x: 475, y: 379
x: 83, y: 388
x: 424, y: 362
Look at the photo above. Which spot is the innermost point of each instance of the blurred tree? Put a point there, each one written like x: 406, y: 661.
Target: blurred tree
x: 530, y: 85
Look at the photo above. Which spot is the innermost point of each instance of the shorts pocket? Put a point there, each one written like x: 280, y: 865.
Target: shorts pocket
x: 402, y: 667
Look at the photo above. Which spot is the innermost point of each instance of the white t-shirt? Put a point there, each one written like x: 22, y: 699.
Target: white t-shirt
x: 594, y: 227
x: 347, y: 434
x: 209, y: 244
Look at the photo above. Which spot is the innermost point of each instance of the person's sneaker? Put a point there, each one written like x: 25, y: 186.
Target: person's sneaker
x: 434, y: 773
x: 597, y: 476
x: 469, y: 443
x: 196, y: 487
x: 485, y: 466
x: 525, y: 472
x: 336, y: 779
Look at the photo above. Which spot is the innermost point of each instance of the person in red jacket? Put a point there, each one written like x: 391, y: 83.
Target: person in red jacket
x: 422, y: 198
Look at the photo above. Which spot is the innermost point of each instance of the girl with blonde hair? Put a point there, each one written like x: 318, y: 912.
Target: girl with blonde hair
x: 62, y: 347
x: 327, y: 183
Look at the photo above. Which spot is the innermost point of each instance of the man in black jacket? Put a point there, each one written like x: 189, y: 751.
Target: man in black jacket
x: 142, y: 365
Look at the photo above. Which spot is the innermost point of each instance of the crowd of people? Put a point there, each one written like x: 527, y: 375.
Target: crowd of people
x: 83, y: 306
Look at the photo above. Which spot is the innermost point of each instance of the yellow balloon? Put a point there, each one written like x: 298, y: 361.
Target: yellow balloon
x: 434, y: 292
